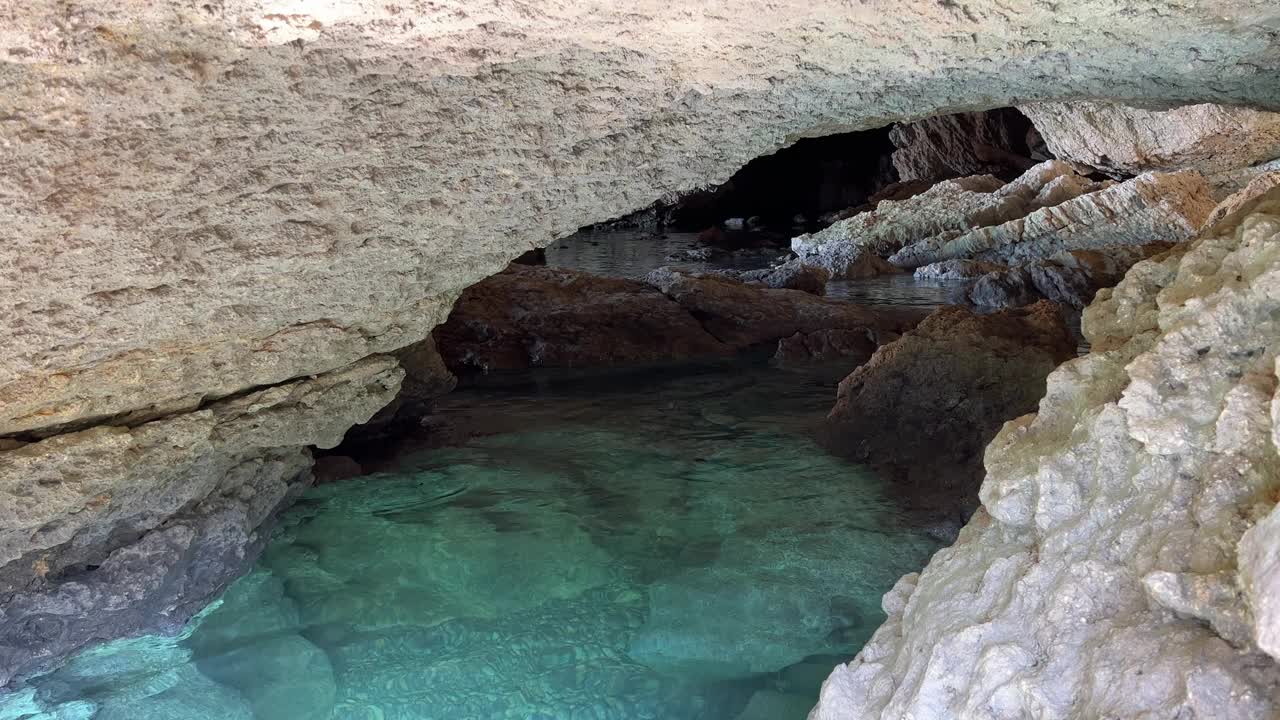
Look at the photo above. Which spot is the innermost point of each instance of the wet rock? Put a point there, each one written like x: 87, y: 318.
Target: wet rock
x: 791, y: 275
x: 528, y: 317
x: 945, y: 211
x: 742, y: 316
x: 114, y: 531
x: 961, y: 144
x: 956, y: 270
x: 1069, y: 278
x: 1151, y: 208
x: 1127, y: 140
x: 925, y: 405
x: 857, y: 345
x: 1126, y: 523
x: 536, y: 256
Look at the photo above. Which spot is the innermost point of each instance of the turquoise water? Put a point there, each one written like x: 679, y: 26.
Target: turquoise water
x: 665, y: 546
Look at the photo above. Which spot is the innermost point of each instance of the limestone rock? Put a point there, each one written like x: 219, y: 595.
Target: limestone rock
x: 932, y: 399
x: 530, y: 316
x: 1070, y: 278
x: 1121, y: 139
x: 1150, y: 208
x: 957, y: 270
x: 856, y: 344
x: 945, y: 211
x: 961, y: 144
x: 118, y: 530
x: 742, y: 317
x: 1152, y: 461
x: 791, y: 275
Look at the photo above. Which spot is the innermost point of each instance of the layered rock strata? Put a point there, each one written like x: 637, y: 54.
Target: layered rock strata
x: 947, y: 210
x: 1070, y: 278
x: 1128, y: 141
x: 1124, y: 560
x: 1153, y: 207
x: 118, y: 530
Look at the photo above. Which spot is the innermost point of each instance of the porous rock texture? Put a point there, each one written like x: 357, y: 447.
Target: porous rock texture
x: 925, y: 405
x: 1126, y: 140
x: 115, y: 530
x: 253, y: 190
x: 1154, y: 207
x: 1071, y: 277
x: 1124, y: 562
x: 202, y: 200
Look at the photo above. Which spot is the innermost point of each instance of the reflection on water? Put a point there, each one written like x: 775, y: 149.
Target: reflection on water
x: 632, y: 254
x: 675, y: 549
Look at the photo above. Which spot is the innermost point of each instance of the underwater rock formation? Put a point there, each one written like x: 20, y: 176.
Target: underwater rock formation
x: 1117, y: 566
x: 925, y: 405
x: 119, y: 530
x: 1153, y: 207
x: 1126, y: 140
x: 1070, y: 278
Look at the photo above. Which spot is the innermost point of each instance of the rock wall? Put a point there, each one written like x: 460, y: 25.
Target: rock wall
x: 1116, y: 138
x: 210, y: 197
x: 207, y: 201
x: 1123, y: 564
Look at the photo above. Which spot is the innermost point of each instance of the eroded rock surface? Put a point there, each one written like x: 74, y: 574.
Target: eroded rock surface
x: 528, y: 317
x: 1150, y: 208
x: 1117, y: 569
x: 118, y: 530
x: 254, y: 191
x: 1069, y: 278
x: 961, y: 144
x: 1128, y: 140
x: 926, y: 405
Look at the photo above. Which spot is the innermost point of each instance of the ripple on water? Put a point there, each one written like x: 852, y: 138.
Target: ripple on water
x: 677, y: 549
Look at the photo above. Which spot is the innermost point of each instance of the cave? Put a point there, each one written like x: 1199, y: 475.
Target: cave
x: 742, y: 361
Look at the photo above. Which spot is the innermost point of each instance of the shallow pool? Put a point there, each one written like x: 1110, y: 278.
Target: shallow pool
x: 661, y: 545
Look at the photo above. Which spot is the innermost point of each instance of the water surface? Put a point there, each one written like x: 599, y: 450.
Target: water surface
x: 668, y: 545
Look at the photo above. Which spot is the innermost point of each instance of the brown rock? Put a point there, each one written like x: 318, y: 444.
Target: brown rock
x: 529, y: 316
x: 925, y: 406
x: 335, y: 468
x: 741, y: 316
x: 970, y: 143
x: 857, y: 345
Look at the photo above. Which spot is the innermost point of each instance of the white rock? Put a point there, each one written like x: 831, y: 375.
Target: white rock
x: 1150, y: 208
x: 1117, y: 138
x: 1101, y: 573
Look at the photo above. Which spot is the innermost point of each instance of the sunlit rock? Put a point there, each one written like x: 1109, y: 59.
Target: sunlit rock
x: 1127, y: 530
x: 1150, y: 208
x: 1129, y: 140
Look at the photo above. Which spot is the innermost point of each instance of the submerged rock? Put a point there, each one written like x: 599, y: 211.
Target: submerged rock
x: 115, y: 531
x: 1070, y: 278
x: 1121, y: 547
x: 925, y: 405
x: 1127, y: 140
x: 528, y: 317
x: 1151, y: 208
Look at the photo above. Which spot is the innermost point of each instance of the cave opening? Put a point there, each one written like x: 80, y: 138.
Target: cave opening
x: 670, y: 466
